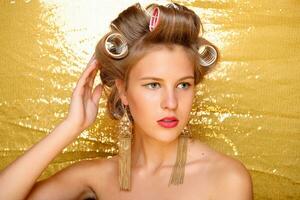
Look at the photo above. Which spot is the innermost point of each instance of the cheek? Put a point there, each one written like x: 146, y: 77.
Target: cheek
x: 191, y: 98
x: 186, y: 101
x: 142, y: 103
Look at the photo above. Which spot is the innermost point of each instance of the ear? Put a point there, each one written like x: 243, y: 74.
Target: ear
x: 121, y: 90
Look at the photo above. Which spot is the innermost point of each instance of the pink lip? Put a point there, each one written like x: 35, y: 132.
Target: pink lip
x: 169, y: 118
x: 168, y: 124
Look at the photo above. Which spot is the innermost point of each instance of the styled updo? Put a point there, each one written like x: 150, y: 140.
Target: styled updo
x: 130, y: 31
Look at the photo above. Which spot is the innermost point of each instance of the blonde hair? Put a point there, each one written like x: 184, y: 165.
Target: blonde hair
x: 178, y: 25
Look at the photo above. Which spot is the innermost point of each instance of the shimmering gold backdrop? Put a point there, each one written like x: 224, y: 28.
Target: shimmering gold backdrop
x: 248, y: 108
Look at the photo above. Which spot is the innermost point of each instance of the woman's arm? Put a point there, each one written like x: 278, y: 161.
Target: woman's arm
x: 17, y: 179
x: 20, y: 176
x: 68, y: 184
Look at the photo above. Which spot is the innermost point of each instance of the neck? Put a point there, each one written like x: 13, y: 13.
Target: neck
x: 151, y: 154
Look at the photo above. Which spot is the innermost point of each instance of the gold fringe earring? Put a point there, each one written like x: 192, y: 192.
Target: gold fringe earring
x: 178, y: 170
x: 125, y: 139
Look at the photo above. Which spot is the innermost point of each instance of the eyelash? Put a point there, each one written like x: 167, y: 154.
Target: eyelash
x: 188, y: 84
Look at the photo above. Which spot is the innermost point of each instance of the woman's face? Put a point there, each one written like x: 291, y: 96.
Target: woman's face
x: 160, y: 85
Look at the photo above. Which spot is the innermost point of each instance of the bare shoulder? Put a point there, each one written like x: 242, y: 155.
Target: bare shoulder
x: 229, y: 175
x: 235, y: 180
x: 72, y: 182
x: 100, y: 171
x: 97, y: 169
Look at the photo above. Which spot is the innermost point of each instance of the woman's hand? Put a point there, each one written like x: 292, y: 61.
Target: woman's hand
x: 84, y: 105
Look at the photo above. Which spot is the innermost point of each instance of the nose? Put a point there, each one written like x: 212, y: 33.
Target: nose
x: 169, y: 99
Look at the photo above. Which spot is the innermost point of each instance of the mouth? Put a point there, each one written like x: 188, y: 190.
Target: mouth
x: 168, y: 122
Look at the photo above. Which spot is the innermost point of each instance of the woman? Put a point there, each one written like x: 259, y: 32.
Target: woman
x: 150, y: 64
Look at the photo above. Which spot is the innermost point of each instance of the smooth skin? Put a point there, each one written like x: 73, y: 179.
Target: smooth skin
x: 208, y: 174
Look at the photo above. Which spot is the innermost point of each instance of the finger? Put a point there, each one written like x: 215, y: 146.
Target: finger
x: 97, y: 94
x: 80, y: 88
x: 91, y: 78
x: 91, y: 59
x: 90, y: 67
x: 90, y: 64
x: 84, y: 77
x: 88, y: 86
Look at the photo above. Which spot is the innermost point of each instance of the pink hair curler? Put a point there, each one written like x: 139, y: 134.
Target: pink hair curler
x: 154, y: 20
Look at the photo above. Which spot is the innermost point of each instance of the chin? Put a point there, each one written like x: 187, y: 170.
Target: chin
x: 166, y: 136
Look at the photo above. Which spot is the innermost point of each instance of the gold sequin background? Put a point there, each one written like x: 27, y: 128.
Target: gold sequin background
x: 248, y: 108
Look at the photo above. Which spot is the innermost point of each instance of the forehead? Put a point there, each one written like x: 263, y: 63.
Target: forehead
x: 162, y: 61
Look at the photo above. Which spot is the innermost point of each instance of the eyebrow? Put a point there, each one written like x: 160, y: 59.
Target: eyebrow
x: 159, y: 79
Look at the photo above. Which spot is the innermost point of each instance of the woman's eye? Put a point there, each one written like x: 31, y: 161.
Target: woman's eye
x: 185, y: 85
x: 152, y: 85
